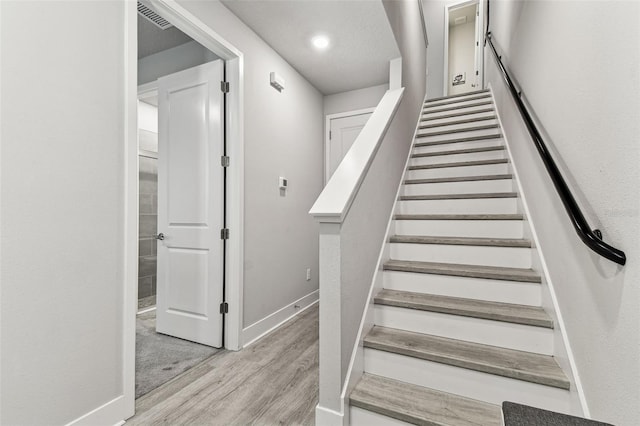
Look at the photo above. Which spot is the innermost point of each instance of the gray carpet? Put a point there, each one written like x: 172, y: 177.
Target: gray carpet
x: 523, y: 415
x: 160, y: 358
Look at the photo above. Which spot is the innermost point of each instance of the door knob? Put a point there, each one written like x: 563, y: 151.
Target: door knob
x: 160, y: 236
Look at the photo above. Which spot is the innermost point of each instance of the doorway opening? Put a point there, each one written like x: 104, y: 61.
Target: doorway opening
x: 176, y: 73
x: 463, y: 52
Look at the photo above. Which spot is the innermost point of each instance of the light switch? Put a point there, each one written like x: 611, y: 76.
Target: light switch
x: 283, y: 182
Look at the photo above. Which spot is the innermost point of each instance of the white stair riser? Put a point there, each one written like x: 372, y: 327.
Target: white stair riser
x: 459, y: 126
x: 458, y: 112
x: 460, y: 103
x: 461, y: 228
x: 487, y: 332
x: 468, y: 187
x: 361, y: 417
x: 510, y: 257
x: 458, y: 145
x: 473, y: 206
x: 520, y: 293
x: 423, y: 135
x: 459, y: 158
x: 482, y: 170
x: 456, y: 118
x: 471, y: 384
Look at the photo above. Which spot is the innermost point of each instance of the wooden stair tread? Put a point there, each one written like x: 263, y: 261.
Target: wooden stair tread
x: 497, y: 311
x: 461, y: 270
x: 459, y: 217
x: 442, y: 102
x: 458, y: 179
x: 466, y: 139
x: 454, y: 123
x: 421, y: 405
x: 459, y: 164
x: 453, y: 108
x: 458, y: 196
x: 458, y: 114
x: 459, y: 151
x: 460, y: 130
x: 461, y: 241
x: 475, y: 92
x: 527, y: 366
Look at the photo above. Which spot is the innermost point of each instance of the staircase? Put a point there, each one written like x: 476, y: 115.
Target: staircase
x: 458, y: 325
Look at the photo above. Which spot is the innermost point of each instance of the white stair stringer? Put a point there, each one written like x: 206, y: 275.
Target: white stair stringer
x: 459, y: 316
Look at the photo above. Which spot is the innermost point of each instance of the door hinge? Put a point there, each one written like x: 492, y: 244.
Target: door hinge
x: 224, y: 86
x: 224, y: 234
x: 477, y: 73
x: 224, y: 308
x: 329, y: 134
x: 224, y: 161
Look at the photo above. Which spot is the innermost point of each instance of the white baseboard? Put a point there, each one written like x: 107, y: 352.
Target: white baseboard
x: 327, y: 417
x: 258, y: 329
x: 111, y: 413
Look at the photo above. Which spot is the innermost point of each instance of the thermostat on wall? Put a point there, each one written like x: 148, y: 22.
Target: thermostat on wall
x: 283, y: 183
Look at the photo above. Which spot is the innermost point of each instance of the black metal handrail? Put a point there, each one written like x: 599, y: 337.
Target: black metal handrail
x: 592, y: 238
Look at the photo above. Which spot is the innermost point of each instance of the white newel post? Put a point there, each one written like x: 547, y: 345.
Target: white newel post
x: 330, y: 409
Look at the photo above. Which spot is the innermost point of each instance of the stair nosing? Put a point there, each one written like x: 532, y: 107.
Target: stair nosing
x: 434, y: 104
x: 474, y: 196
x: 458, y: 114
x: 365, y: 396
x: 457, y: 140
x: 467, y: 362
x: 458, y: 217
x: 447, y: 305
x: 455, y: 123
x: 506, y: 176
x: 461, y: 241
x: 462, y: 270
x: 460, y: 151
x: 458, y: 95
x: 459, y: 164
x: 454, y: 108
x: 460, y: 130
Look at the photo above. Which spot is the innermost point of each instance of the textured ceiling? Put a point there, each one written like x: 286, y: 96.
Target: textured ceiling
x: 361, y: 39
x: 152, y: 39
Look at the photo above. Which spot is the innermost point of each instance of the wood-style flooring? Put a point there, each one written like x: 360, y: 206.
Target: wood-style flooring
x: 272, y: 382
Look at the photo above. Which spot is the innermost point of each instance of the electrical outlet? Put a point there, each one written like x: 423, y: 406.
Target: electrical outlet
x: 308, y: 274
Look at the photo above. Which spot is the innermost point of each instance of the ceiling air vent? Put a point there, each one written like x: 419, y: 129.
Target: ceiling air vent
x: 153, y: 17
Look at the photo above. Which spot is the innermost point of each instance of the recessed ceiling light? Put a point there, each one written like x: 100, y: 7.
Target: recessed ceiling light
x: 320, y: 42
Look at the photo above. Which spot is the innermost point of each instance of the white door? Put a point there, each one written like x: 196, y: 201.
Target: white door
x: 343, y: 131
x: 190, y: 204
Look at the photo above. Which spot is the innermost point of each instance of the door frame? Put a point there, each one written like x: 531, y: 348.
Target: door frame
x: 479, y: 48
x: 327, y: 128
x: 234, y: 124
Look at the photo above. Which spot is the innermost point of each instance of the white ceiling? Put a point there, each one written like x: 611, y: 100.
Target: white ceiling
x: 361, y: 39
x: 152, y: 39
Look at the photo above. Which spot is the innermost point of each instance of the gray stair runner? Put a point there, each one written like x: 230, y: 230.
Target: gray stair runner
x: 461, y: 270
x: 456, y: 122
x: 466, y: 139
x: 520, y: 365
x: 460, y: 130
x: 459, y: 217
x: 459, y: 151
x: 506, y: 312
x: 454, y: 108
x: 523, y: 415
x: 458, y: 196
x: 461, y: 241
x: 458, y: 179
x: 475, y: 92
x: 420, y: 405
x: 456, y: 114
x: 459, y: 164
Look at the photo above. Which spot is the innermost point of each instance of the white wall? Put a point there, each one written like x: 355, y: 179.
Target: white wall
x: 462, y: 42
x: 579, y: 68
x: 283, y: 137
x: 354, y: 99
x: 62, y: 199
x: 172, y: 60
